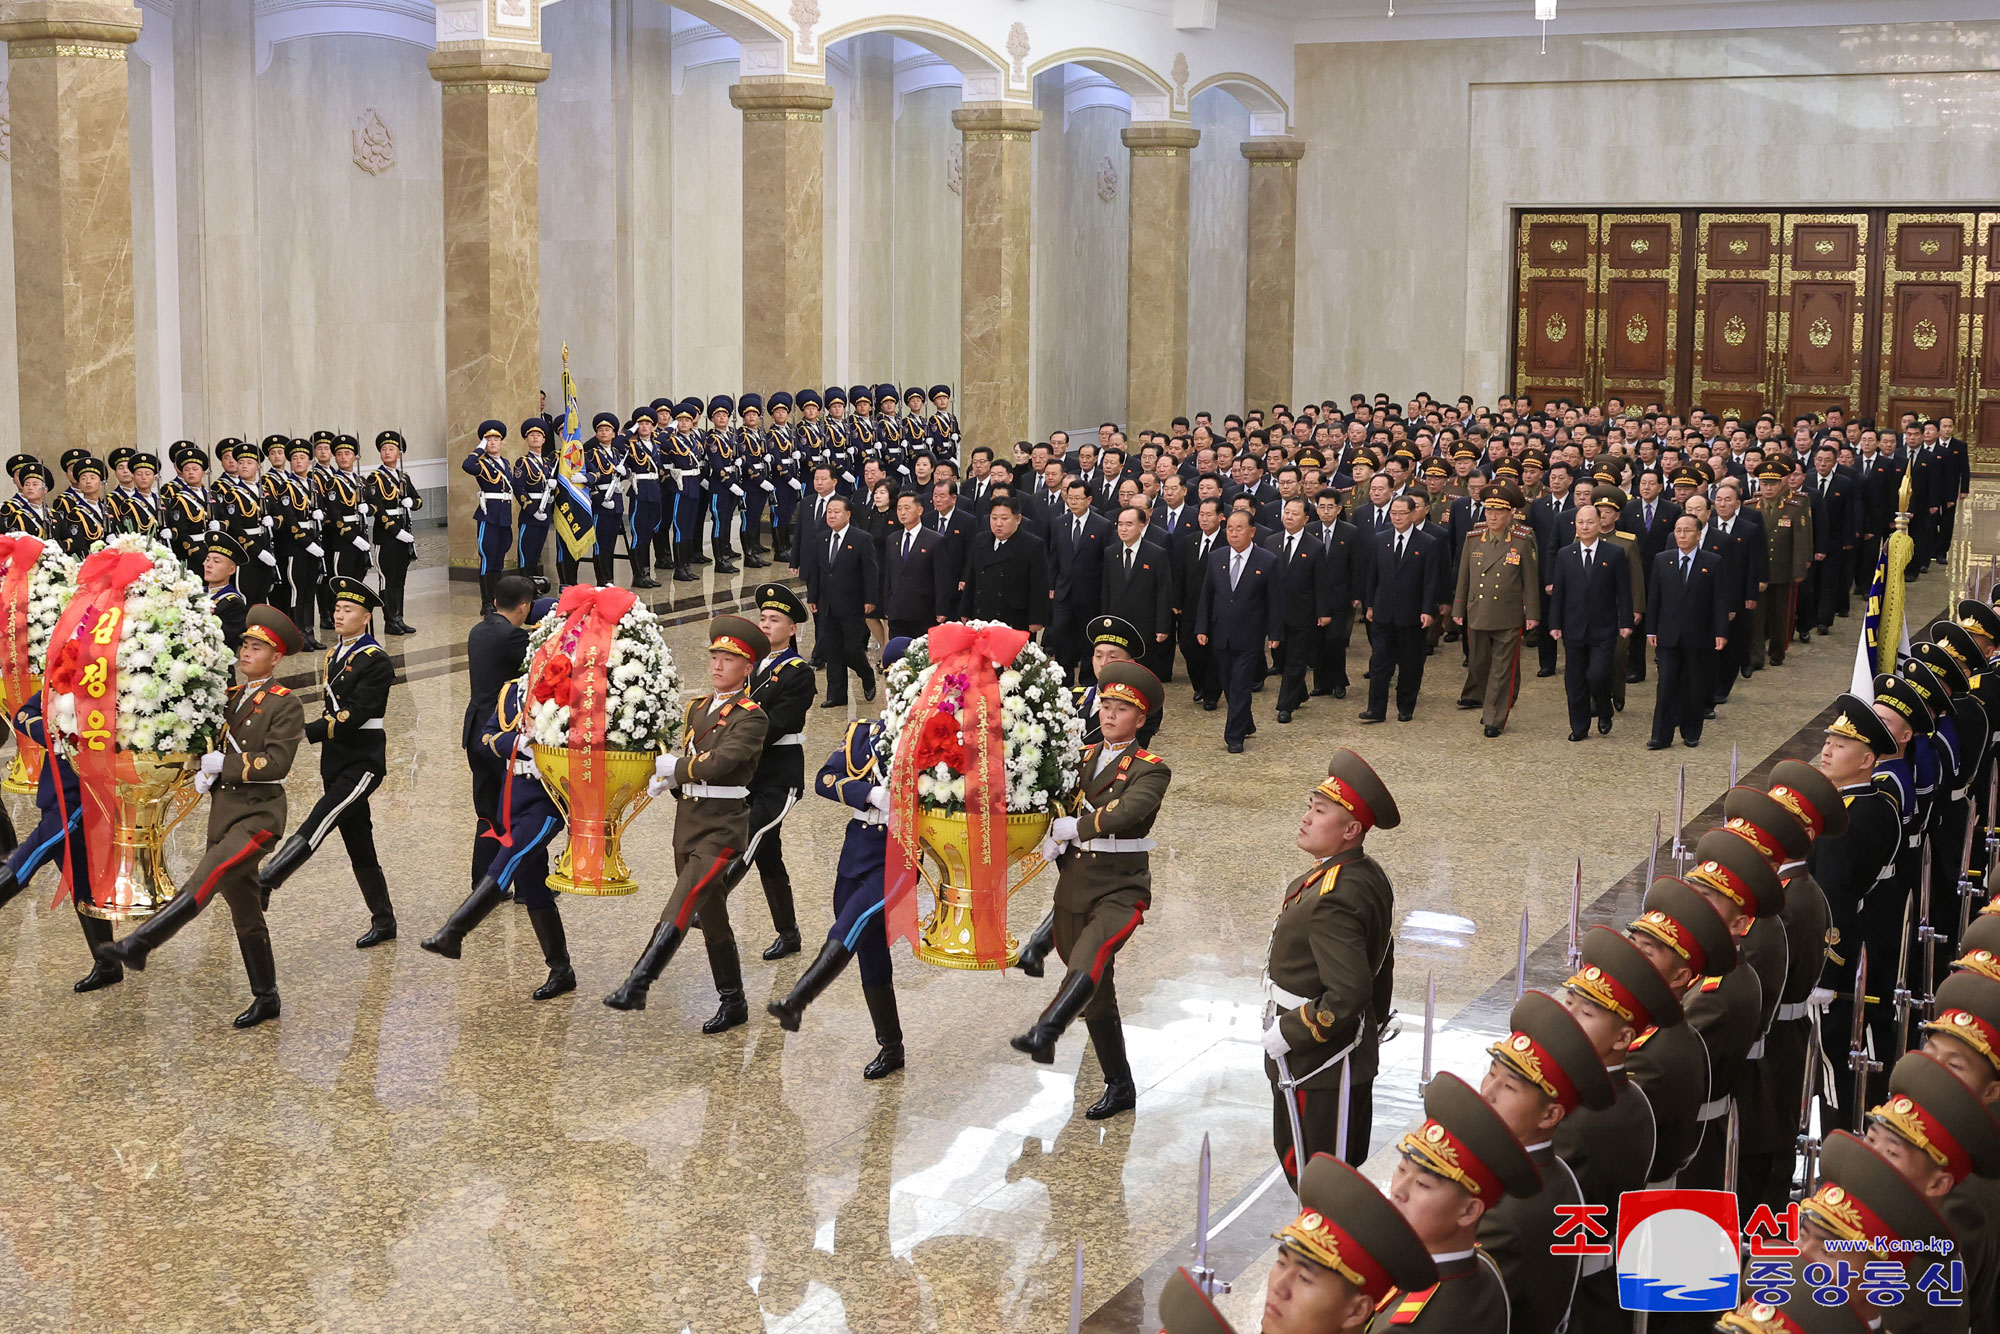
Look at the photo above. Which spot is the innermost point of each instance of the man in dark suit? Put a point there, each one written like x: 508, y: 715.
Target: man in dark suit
x: 1175, y: 509
x: 1194, y: 546
x: 1877, y: 476
x: 955, y: 527
x: 1738, y: 536
x: 1652, y: 518
x: 1342, y: 546
x: 1553, y: 517
x: 1138, y: 586
x: 1007, y: 573
x: 1305, y: 589
x: 1402, y: 582
x: 1239, y: 616
x: 843, y: 588
x: 1687, y: 625
x: 495, y: 652
x: 1836, y: 531
x: 919, y: 586
x: 1591, y: 607
x: 811, y: 522
x: 1079, y: 538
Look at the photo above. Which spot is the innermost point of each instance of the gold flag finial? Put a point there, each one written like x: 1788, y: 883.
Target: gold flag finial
x: 565, y: 354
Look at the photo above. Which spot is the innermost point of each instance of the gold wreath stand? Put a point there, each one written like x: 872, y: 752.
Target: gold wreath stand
x: 948, y: 938
x: 626, y: 773
x: 142, y: 813
x: 27, y: 765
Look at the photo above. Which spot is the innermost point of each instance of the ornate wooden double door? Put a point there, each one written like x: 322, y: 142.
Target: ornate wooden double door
x: 1874, y: 311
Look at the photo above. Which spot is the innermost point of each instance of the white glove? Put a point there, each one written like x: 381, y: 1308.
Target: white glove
x: 767, y: 486
x: 878, y: 797
x: 211, y: 763
x: 667, y: 767
x: 1063, y: 829
x: 847, y: 477
x: 796, y: 486
x: 658, y: 787
x: 318, y: 515
x: 1274, y: 1042
x: 541, y: 516
x: 361, y: 543
x: 268, y: 559
x: 408, y: 536
x: 314, y: 550
x: 903, y: 468
x: 203, y: 782
x: 736, y: 490
x: 215, y: 525
x: 524, y: 747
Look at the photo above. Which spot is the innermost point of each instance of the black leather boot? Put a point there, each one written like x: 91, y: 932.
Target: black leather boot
x: 642, y: 577
x: 754, y: 557
x: 278, y: 867
x: 788, y: 942
x: 9, y: 840
x: 450, y: 938
x: 1039, y: 1042
x: 888, y: 1032
x: 555, y: 953
x: 103, y: 972
x: 1037, y: 946
x: 733, y: 1011
x: 381, y: 912
x: 152, y: 933
x: 659, y: 951
x: 819, y: 974
x: 684, y: 575
x: 1121, y: 1094
x: 10, y: 885
x: 723, y: 563
x: 263, y: 971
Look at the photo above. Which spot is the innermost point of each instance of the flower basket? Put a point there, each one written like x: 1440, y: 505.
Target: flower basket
x: 35, y: 580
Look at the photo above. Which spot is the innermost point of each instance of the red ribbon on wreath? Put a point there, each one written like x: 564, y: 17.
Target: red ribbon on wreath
x: 573, y: 668
x: 19, y: 553
x: 971, y: 744
x: 83, y: 663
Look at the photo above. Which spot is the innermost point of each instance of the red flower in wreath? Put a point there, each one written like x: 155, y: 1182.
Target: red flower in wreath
x: 938, y: 743
x: 554, y: 682
x: 60, y: 679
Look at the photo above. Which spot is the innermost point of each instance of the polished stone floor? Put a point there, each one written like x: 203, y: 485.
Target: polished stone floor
x: 417, y: 1145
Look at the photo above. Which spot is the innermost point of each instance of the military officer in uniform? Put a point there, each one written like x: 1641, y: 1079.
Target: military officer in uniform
x: 1684, y: 938
x: 353, y: 758
x: 643, y: 462
x: 1498, y: 600
x: 344, y: 498
x: 534, y: 484
x: 1541, y: 1071
x: 1964, y: 1038
x: 186, y: 503
x: 138, y: 510
x: 493, y: 511
x: 1330, y: 970
x: 394, y: 499
x: 295, y: 506
x: 852, y: 776
x: 721, y: 465
x: 1104, y: 880
x: 1344, y: 1256
x: 1788, y: 531
x: 721, y: 744
x: 220, y: 562
x: 1112, y: 639
x: 263, y: 723
x: 606, y: 459
x: 86, y: 518
x: 687, y: 458
x: 754, y: 475
x: 1460, y: 1163
x: 943, y: 425
x: 26, y: 511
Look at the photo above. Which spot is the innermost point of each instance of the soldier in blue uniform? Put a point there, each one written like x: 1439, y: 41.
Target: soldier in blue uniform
x: 527, y: 823
x: 534, y: 481
x: 853, y: 776
x: 894, y: 440
x: 26, y: 511
x: 787, y: 481
x: 663, y: 531
x: 604, y: 459
x: 86, y: 518
x: 221, y: 561
x: 1112, y: 639
x: 754, y: 476
x: 642, y: 463
x: 944, y: 428
x: 864, y: 433
x: 344, y: 498
x: 295, y: 505
x: 59, y: 800
x: 686, y: 450
x: 243, y: 518
x: 136, y: 509
x: 394, y: 499
x: 493, y: 511
x: 721, y: 463
x: 841, y: 440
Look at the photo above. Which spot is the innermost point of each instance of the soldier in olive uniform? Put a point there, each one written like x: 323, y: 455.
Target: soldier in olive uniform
x: 1454, y: 1168
x: 1965, y: 1039
x: 1799, y: 1313
x: 721, y: 743
x: 1788, y: 531
x: 1104, y: 879
x: 1865, y: 1203
x: 262, y: 726
x: 1330, y: 970
x: 1682, y: 937
x: 1541, y: 1071
x: 1499, y: 597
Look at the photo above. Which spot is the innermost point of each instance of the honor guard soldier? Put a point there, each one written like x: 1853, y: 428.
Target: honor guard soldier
x: 754, y: 476
x: 534, y: 482
x: 1450, y: 1172
x: 787, y: 474
x: 782, y: 684
x: 916, y: 431
x: 57, y: 839
x: 244, y: 519
x: 1964, y: 1038
x: 393, y: 498
x: 119, y: 461
x: 26, y: 511
x: 844, y: 441
x: 1498, y: 600
x: 1788, y: 532
x: 1541, y: 1071
x: 185, y: 503
x: 1684, y: 938
x: 1879, y: 1218
x: 1971, y: 736
x: 223, y: 558
x: 262, y: 724
x: 661, y: 556
x: 1799, y: 1313
x: 721, y: 463
x: 1112, y: 639
x: 1344, y: 1257
x: 1186, y: 1309
x: 891, y: 443
x: 295, y: 506
x: 604, y: 458
x: 139, y: 510
x: 85, y: 518
x: 721, y: 744
x: 685, y: 453
x: 852, y: 776
x: 1330, y: 970
x: 642, y: 449
x: 1615, y: 996
x: 943, y: 424
x: 346, y: 505
x: 493, y: 515
x: 352, y: 759
x: 1944, y: 1140
x: 864, y: 434
x: 1104, y: 879
x: 524, y: 826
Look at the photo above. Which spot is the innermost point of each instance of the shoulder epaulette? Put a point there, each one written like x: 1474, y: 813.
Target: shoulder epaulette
x: 1640, y: 1041
x: 1411, y: 1306
x: 280, y: 691
x: 745, y: 702
x: 1523, y: 530
x: 1139, y: 753
x: 1710, y: 983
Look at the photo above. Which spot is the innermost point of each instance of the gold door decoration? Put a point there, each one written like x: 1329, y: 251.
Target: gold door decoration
x: 1808, y: 265
x: 1982, y: 420
x: 1723, y: 256
x: 1925, y: 331
x: 1555, y: 258
x: 1635, y: 329
x: 1641, y: 263
x: 1556, y: 327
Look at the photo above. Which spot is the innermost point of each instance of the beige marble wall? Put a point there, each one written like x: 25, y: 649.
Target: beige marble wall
x: 72, y: 207
x: 783, y: 218
x: 583, y: 175
x: 1218, y: 252
x: 10, y: 381
x: 995, y: 291
x: 1271, y: 262
x: 146, y: 345
x: 1156, y: 329
x: 859, y: 277
x: 1403, y: 279
x: 1082, y: 239
x: 707, y: 241
x: 925, y: 242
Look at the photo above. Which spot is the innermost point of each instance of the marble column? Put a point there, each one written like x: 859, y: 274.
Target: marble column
x: 72, y: 180
x: 996, y: 190
x: 492, y: 254
x: 1156, y: 301
x: 783, y: 226
x: 1267, y: 298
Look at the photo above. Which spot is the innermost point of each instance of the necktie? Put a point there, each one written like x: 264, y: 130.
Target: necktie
x: 1171, y: 516
x: 819, y: 515
x: 1235, y: 569
x: 1401, y: 538
x: 1291, y: 546
x: 1649, y: 516
x: 832, y: 548
x: 1202, y: 557
x: 909, y: 540
x: 1128, y: 562
x: 1587, y: 553
x: 1076, y: 531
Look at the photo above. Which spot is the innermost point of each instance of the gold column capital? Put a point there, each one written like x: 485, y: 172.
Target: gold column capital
x: 519, y: 66
x: 1159, y: 137
x: 68, y: 21
x: 780, y: 97
x: 1007, y: 119
x: 1278, y: 149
